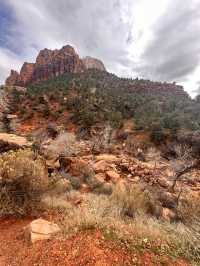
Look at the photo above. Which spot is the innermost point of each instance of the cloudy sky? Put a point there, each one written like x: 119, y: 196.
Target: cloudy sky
x: 154, y: 39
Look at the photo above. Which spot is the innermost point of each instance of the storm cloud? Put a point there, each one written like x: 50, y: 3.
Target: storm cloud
x: 159, y: 41
x: 174, y: 51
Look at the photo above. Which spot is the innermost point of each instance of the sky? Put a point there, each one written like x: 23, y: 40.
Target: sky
x: 152, y: 39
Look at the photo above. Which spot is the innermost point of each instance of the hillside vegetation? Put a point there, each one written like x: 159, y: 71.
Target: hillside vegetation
x: 80, y: 164
x: 94, y: 97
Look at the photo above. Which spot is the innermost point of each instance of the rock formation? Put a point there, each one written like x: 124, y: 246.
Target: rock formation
x: 12, y: 142
x: 50, y: 64
x: 40, y: 229
x: 13, y: 78
x: 94, y: 63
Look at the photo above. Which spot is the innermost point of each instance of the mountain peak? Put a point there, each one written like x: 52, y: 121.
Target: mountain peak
x: 91, y: 62
x: 52, y: 63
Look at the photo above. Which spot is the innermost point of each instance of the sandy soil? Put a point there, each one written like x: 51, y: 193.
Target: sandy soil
x: 86, y: 248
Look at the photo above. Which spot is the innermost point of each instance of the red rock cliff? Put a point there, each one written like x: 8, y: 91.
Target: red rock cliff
x: 48, y: 64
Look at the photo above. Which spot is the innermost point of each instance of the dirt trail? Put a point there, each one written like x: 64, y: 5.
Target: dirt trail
x: 87, y: 248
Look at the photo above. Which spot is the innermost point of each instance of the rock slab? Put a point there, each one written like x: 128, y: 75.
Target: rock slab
x: 40, y: 229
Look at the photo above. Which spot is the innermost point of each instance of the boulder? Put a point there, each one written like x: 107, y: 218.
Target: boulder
x: 100, y: 177
x: 112, y: 176
x: 101, y: 166
x: 40, y: 229
x: 107, y: 157
x: 12, y: 142
x: 163, y: 182
x: 80, y: 168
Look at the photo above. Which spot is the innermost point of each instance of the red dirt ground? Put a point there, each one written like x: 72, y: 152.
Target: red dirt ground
x: 86, y: 248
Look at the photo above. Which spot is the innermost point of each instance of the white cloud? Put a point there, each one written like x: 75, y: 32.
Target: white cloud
x: 8, y: 61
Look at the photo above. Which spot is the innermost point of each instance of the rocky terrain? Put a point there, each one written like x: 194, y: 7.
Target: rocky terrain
x: 97, y: 169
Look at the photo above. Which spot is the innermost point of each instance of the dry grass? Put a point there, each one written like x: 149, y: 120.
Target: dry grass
x: 132, y: 200
x: 189, y: 208
x: 65, y: 144
x: 23, y: 179
x: 144, y: 231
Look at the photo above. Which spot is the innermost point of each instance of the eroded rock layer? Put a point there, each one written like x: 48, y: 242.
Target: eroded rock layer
x: 50, y: 64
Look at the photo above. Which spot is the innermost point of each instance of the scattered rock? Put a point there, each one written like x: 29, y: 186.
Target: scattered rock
x: 112, y: 176
x: 12, y: 142
x: 40, y: 229
x: 54, y: 164
x: 101, y: 166
x: 107, y: 158
x: 100, y: 177
x: 136, y: 179
x: 80, y: 168
x: 163, y: 182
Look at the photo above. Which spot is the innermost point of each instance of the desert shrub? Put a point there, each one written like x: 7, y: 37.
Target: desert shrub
x: 142, y: 233
x: 65, y: 144
x: 115, y: 118
x: 104, y: 188
x: 75, y: 182
x: 157, y: 134
x: 61, y: 186
x: 52, y: 130
x: 45, y: 110
x: 132, y: 200
x: 23, y: 180
x: 56, y: 114
x: 186, y: 240
x: 189, y: 209
x: 6, y: 123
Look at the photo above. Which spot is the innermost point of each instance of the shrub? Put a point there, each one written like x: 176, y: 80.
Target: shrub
x: 104, y: 188
x: 189, y: 209
x: 23, y: 180
x: 75, y: 182
x: 52, y: 130
x: 157, y: 134
x: 45, y: 110
x: 132, y: 200
x: 65, y: 144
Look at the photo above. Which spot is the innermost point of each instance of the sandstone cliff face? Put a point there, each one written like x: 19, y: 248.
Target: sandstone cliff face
x: 90, y: 62
x: 48, y: 64
x: 13, y: 78
x: 26, y: 73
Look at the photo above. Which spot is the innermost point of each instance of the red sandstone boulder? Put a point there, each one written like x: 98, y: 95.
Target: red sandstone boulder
x: 112, y: 176
x: 101, y: 166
